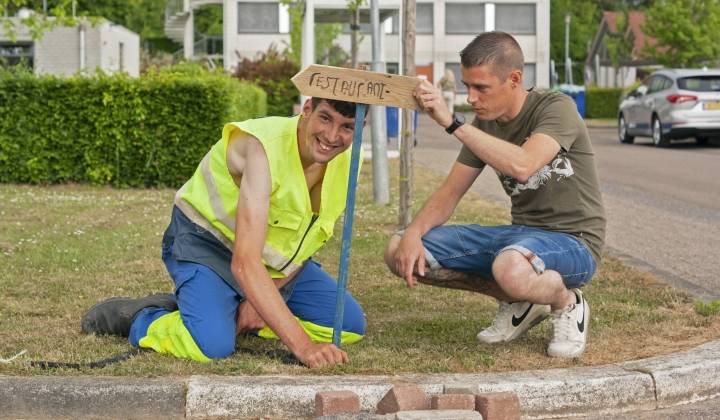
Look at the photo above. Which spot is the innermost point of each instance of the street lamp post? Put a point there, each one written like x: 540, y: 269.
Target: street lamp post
x: 568, y: 63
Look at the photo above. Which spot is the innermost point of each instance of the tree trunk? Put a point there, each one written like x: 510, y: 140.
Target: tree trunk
x: 407, y: 138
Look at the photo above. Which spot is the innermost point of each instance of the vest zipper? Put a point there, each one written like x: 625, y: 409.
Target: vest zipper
x: 312, y: 221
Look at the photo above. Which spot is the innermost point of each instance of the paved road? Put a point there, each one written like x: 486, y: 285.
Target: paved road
x: 663, y: 205
x: 703, y: 410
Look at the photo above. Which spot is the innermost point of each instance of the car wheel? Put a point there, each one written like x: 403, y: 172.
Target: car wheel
x: 622, y: 131
x: 659, y: 139
x: 702, y: 140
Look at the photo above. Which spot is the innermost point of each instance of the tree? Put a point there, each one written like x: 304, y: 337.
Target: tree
x: 145, y: 17
x: 325, y: 34
x: 620, y: 44
x: 37, y: 23
x: 687, y: 32
x: 585, y: 18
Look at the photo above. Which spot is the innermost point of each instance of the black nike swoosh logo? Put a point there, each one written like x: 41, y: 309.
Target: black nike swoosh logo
x: 581, y: 323
x: 518, y: 321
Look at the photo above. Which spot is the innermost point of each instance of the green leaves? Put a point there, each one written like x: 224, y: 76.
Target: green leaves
x: 127, y: 132
x: 687, y: 32
x: 603, y: 102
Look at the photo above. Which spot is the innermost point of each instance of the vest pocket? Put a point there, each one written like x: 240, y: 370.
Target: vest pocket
x: 326, y: 230
x: 283, y: 218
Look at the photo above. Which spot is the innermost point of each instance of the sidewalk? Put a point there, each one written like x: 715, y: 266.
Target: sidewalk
x: 648, y: 384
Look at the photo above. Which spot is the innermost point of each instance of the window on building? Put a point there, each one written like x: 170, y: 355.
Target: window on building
x: 424, y: 18
x: 464, y: 18
x: 529, y: 75
x: 13, y: 54
x: 515, y: 18
x: 258, y: 17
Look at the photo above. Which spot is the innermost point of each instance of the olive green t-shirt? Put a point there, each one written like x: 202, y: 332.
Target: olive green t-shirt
x: 564, y: 195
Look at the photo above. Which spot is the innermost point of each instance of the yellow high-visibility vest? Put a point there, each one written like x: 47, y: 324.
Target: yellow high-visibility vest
x: 209, y: 198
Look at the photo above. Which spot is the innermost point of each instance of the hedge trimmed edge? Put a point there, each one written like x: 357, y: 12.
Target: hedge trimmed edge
x: 602, y: 102
x: 128, y: 132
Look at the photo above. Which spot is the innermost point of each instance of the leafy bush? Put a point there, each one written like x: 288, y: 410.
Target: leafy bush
x: 272, y: 71
x: 124, y: 131
x: 602, y: 102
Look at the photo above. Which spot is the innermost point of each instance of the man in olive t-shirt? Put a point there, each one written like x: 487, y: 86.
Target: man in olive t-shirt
x: 540, y: 149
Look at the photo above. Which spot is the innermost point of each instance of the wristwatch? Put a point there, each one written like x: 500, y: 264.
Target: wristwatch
x: 458, y: 120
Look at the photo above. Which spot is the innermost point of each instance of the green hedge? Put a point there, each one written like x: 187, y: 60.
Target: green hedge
x: 602, y: 102
x: 128, y: 132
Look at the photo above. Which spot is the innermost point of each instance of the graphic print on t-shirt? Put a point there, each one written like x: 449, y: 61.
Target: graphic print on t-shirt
x: 560, y: 166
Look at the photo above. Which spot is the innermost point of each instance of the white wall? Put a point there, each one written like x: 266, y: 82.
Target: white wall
x: 624, y: 77
x: 111, y: 36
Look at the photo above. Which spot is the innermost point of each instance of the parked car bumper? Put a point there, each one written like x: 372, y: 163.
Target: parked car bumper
x: 683, y: 130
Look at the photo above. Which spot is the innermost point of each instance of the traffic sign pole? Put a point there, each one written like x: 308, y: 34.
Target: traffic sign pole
x: 360, y: 112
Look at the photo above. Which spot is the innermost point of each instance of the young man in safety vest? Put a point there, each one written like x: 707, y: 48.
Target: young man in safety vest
x: 263, y: 200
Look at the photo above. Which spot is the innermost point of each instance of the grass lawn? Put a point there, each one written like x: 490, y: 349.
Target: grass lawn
x: 64, y: 248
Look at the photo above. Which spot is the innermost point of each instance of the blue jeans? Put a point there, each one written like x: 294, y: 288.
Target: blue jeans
x: 473, y: 249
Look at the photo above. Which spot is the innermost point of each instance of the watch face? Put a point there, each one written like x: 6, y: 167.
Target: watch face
x: 459, y: 118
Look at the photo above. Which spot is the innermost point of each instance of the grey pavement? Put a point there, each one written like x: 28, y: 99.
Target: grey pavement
x: 681, y: 385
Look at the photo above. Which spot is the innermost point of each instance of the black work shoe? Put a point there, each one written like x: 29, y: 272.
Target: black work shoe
x: 115, y: 315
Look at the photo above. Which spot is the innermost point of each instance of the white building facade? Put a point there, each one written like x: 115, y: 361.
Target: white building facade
x: 443, y: 28
x: 85, y: 48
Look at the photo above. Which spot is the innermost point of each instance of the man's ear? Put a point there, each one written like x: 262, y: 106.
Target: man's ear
x: 307, y: 107
x: 516, y: 77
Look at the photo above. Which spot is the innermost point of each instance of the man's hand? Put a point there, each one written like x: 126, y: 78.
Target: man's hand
x: 316, y: 355
x: 410, y: 258
x: 431, y: 101
x: 248, y: 319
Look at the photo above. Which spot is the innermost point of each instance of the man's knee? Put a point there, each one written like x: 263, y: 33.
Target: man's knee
x: 217, y: 346
x: 512, y: 271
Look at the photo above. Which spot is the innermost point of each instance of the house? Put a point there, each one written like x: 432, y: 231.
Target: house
x: 68, y: 50
x: 599, y: 67
x: 443, y: 28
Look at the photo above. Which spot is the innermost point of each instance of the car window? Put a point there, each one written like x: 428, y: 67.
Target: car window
x: 667, y: 83
x: 657, y: 83
x: 700, y: 83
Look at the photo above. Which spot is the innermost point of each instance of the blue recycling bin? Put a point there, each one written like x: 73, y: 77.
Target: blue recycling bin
x: 391, y: 113
x: 577, y: 92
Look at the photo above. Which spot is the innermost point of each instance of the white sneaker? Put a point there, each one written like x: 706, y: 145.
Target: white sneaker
x: 512, y: 321
x: 570, y: 329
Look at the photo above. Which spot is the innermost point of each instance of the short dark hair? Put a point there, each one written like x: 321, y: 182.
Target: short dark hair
x: 347, y: 109
x: 499, y: 49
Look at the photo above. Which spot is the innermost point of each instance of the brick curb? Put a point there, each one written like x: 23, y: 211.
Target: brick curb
x: 646, y: 384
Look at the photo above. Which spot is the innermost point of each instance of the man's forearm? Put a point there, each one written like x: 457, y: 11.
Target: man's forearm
x: 262, y: 293
x: 498, y: 154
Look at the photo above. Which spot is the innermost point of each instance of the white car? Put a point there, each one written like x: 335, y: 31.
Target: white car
x: 672, y: 104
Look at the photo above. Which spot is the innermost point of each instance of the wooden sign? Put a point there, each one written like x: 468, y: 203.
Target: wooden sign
x: 351, y: 85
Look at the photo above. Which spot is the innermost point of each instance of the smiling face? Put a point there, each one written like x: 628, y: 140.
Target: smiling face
x: 323, y: 133
x: 491, y: 96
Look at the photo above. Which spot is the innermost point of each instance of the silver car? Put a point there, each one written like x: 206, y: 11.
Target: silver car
x: 672, y: 104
